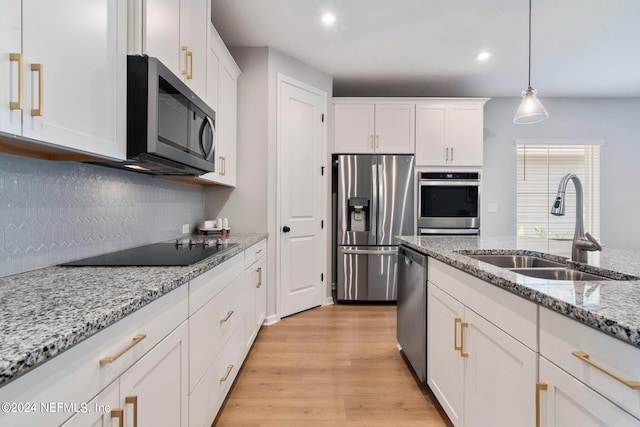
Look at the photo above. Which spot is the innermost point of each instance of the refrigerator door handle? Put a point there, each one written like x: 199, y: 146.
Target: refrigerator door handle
x: 380, y: 214
x: 374, y: 196
x: 392, y: 251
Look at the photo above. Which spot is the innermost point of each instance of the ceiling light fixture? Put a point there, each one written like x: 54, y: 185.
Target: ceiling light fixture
x: 328, y: 18
x: 531, y: 109
x: 483, y: 56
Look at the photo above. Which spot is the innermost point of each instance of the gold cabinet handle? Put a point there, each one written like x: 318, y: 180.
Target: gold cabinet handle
x: 446, y: 159
x: 258, y: 251
x: 119, y: 414
x: 635, y: 385
x: 226, y: 374
x: 190, y: 59
x: 133, y: 400
x: 223, y: 165
x: 185, y: 49
x: 462, y: 326
x: 17, y: 57
x: 38, y: 111
x: 110, y: 359
x: 451, y: 154
x: 539, y: 387
x: 229, y: 314
x: 259, y: 270
x: 457, y: 320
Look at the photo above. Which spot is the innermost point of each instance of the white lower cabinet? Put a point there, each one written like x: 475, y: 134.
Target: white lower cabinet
x: 103, y: 411
x: 567, y: 402
x: 255, y: 290
x: 481, y: 374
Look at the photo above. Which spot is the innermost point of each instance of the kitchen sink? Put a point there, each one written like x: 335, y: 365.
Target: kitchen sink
x: 558, y: 274
x: 516, y: 261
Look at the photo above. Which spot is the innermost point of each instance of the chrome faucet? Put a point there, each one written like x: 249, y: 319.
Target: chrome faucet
x: 582, y: 242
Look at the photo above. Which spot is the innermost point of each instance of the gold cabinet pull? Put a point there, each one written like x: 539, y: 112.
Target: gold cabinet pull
x: 136, y: 340
x: 446, y: 159
x: 185, y: 49
x: 462, y: 326
x: 259, y: 270
x: 635, y: 385
x: 258, y: 251
x: 38, y: 68
x: 539, y: 387
x: 229, y: 314
x: 190, y: 59
x: 457, y: 320
x: 133, y: 400
x: 119, y: 414
x: 17, y: 57
x: 227, y: 373
x: 223, y: 165
x: 452, y: 154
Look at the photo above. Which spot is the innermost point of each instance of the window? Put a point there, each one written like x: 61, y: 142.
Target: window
x: 540, y: 168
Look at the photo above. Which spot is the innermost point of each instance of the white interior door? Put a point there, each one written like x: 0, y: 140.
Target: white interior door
x: 300, y: 138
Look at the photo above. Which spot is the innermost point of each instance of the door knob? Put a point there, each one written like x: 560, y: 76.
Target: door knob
x: 286, y: 229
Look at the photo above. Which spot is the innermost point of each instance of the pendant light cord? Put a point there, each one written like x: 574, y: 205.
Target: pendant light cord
x: 529, y: 44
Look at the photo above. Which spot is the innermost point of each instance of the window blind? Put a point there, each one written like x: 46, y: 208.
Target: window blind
x: 540, y: 168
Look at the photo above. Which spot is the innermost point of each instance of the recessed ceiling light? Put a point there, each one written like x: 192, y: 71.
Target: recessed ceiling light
x: 328, y: 18
x: 483, y: 56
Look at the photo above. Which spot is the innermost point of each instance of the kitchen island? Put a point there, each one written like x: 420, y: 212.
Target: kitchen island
x: 508, y: 349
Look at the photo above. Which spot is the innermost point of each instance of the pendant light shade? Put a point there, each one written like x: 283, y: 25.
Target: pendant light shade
x: 531, y: 109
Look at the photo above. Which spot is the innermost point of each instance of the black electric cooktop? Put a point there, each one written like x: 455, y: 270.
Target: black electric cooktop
x: 156, y: 254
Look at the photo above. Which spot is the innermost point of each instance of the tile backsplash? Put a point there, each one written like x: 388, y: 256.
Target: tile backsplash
x: 53, y: 212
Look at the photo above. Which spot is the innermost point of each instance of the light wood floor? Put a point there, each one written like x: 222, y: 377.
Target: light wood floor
x: 330, y: 366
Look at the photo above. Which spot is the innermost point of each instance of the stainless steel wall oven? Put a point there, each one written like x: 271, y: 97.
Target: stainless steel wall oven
x: 449, y: 202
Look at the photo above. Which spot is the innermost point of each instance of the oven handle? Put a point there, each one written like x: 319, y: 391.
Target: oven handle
x: 451, y: 231
x: 392, y: 251
x: 425, y: 182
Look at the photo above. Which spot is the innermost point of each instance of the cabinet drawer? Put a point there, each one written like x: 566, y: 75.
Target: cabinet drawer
x: 560, y: 336
x: 253, y: 253
x: 211, y: 326
x: 77, y: 375
x: 210, y: 283
x: 206, y: 399
x: 511, y: 313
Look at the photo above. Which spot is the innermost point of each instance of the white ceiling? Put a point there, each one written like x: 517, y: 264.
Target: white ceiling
x: 580, y: 48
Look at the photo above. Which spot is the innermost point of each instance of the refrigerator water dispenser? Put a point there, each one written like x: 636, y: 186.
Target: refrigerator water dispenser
x: 359, y: 218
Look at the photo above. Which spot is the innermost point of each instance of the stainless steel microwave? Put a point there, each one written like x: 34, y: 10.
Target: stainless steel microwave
x: 449, y: 203
x: 170, y: 130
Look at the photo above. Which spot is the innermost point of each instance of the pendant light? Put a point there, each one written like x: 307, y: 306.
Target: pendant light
x: 531, y: 109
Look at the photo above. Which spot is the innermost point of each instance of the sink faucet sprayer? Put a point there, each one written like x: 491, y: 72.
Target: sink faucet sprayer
x: 582, y: 242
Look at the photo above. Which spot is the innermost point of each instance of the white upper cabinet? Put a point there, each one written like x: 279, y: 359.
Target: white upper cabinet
x: 63, y: 74
x: 361, y: 127
x: 175, y: 32
x: 449, y: 132
x: 222, y: 96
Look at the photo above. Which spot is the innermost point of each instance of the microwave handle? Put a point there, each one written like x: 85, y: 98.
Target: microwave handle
x: 205, y: 153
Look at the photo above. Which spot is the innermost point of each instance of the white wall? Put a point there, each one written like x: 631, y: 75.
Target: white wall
x: 251, y: 206
x: 616, y: 121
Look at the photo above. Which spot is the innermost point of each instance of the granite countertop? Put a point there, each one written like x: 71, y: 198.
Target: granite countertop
x: 46, y: 311
x: 612, y: 307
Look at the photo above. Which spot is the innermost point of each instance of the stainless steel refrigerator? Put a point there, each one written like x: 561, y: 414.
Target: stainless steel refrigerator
x: 374, y: 202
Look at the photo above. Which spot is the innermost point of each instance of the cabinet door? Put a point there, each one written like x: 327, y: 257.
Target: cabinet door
x: 99, y: 410
x: 431, y: 135
x: 395, y: 128
x: 75, y: 74
x: 158, y: 382
x: 10, y: 58
x: 500, y: 376
x: 227, y: 126
x: 353, y: 128
x: 194, y: 38
x: 568, y: 402
x: 161, y: 37
x: 261, y: 294
x: 256, y: 285
x: 466, y: 135
x: 445, y: 366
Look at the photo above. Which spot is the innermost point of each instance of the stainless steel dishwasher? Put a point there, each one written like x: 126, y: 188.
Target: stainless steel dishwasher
x: 412, y: 309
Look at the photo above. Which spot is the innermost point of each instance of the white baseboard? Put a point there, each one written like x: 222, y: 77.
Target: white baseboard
x: 271, y: 320
x: 328, y: 301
